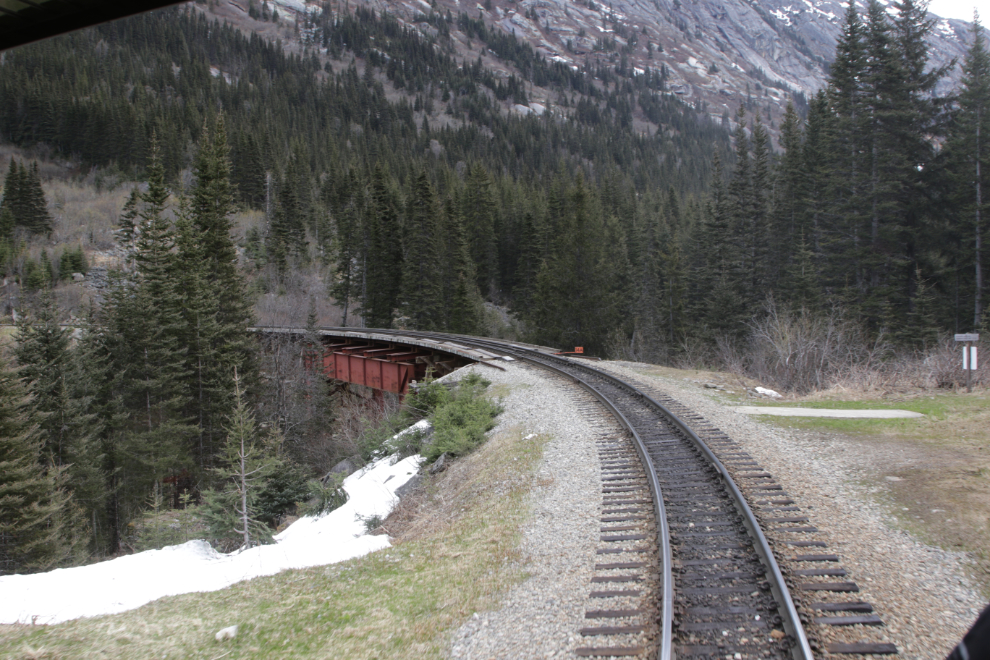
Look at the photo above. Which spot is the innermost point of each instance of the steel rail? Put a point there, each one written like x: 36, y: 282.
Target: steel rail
x: 791, y: 619
x: 663, y: 531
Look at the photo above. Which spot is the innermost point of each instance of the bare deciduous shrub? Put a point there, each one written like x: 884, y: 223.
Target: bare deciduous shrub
x: 286, y: 298
x: 357, y: 417
x: 804, y: 351
x: 499, y: 323
x: 940, y: 366
x: 322, y: 425
x: 693, y: 353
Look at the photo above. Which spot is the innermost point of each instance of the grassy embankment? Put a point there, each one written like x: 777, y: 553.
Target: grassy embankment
x: 455, y: 552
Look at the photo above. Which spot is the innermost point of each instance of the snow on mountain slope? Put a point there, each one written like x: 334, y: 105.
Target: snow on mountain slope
x: 716, y: 52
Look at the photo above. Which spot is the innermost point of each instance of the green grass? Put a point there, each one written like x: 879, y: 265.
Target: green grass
x: 396, y: 603
x: 942, y: 407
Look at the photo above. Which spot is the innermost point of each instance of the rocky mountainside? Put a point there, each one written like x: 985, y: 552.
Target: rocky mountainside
x: 714, y: 53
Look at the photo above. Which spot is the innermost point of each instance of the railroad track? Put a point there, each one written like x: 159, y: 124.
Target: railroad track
x: 710, y: 587
x: 722, y: 593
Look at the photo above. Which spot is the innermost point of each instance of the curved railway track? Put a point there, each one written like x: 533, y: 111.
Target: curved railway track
x: 729, y: 594
x: 721, y: 592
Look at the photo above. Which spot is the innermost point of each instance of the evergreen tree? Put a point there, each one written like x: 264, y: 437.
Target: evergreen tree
x: 101, y: 384
x: 13, y: 195
x: 719, y: 302
x: 790, y: 190
x: 462, y: 301
x: 126, y: 233
x: 347, y: 273
x: 920, y: 328
x: 743, y: 205
x: 155, y: 356
x: 650, y: 308
x: 422, y: 288
x: 582, y: 287
x: 479, y: 221
x: 675, y: 290
x: 247, y: 461
x: 24, y: 198
x: 968, y: 152
x: 801, y: 284
x: 56, y: 383
x: 817, y: 163
x: 287, y: 238
x: 763, y: 267
x: 847, y: 143
x: 384, y: 260
x: 532, y: 252
x: 48, y: 370
x: 200, y: 333
x: 35, y: 216
x: 36, y: 514
x: 214, y: 354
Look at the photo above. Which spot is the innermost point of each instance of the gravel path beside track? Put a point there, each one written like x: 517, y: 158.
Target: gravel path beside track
x: 921, y: 592
x: 541, y: 616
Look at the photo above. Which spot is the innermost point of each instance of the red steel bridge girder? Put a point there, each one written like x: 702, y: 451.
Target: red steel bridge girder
x: 384, y: 366
x: 374, y: 373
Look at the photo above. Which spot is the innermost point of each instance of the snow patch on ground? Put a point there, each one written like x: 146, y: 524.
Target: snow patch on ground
x: 129, y: 582
x: 297, y: 5
x: 781, y: 16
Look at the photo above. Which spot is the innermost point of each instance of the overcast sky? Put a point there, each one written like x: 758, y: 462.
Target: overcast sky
x: 962, y: 9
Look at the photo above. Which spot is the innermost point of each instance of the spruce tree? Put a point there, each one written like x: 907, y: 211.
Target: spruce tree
x: 200, y: 333
x: 347, y: 275
x: 650, y: 308
x: 217, y: 353
x: 384, y: 259
x: 675, y: 292
x: 743, y: 204
x: 13, y: 193
x: 245, y: 462
x: 764, y: 269
x: 158, y: 396
x: 126, y: 233
x: 48, y: 370
x: 462, y: 301
x: 790, y: 191
x: 422, y: 287
x: 582, y: 287
x: 36, y: 514
x: 847, y: 145
x: 817, y: 165
x: 801, y: 286
x: 968, y: 153
x: 479, y: 222
x: 532, y: 252
x: 717, y: 288
x: 36, y: 217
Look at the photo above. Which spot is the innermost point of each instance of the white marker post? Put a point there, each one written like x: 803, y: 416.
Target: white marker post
x: 969, y: 356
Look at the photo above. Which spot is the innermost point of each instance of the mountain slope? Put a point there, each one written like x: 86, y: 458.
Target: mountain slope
x: 711, y: 52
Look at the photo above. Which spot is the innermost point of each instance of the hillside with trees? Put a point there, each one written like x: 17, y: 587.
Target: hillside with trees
x: 369, y: 175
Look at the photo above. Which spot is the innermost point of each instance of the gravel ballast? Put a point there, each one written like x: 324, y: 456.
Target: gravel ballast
x: 541, y: 617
